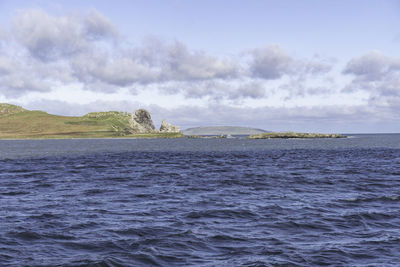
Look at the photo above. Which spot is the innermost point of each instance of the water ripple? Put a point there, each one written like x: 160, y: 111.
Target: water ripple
x: 277, y: 207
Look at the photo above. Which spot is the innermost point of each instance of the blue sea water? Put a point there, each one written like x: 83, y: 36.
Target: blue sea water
x: 201, y: 202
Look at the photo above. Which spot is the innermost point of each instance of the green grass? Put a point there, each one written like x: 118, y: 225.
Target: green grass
x: 18, y: 123
x: 293, y: 135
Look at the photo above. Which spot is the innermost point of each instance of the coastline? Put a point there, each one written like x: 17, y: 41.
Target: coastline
x: 175, y: 136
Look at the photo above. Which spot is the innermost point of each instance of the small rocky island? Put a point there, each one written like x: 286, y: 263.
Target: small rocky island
x: 19, y: 123
x: 287, y: 135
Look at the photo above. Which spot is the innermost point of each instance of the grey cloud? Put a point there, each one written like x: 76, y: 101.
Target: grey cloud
x: 50, y: 37
x: 395, y: 65
x: 388, y: 88
x: 99, y: 86
x: 18, y: 78
x: 152, y: 51
x: 21, y: 74
x: 249, y: 90
x: 16, y: 85
x: 298, y: 86
x: 57, y: 72
x: 156, y: 63
x: 216, y: 90
x: 113, y: 70
x: 371, y: 66
x: 181, y: 64
x: 317, y: 67
x: 175, y: 62
x: 319, y: 90
x: 375, y: 73
x: 6, y: 65
x: 3, y: 35
x: 270, y: 62
x: 97, y: 26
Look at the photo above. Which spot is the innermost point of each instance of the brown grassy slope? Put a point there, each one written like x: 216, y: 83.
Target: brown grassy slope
x: 38, y: 124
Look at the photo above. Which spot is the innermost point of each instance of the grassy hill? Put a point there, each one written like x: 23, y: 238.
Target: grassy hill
x: 19, y: 123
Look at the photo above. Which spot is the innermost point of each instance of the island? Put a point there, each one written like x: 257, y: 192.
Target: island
x: 287, y: 135
x: 19, y: 123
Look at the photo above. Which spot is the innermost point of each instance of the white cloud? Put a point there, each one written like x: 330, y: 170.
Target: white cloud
x: 271, y: 62
x: 18, y: 78
x: 371, y: 66
x: 49, y: 37
x: 176, y: 62
x: 216, y: 89
x: 114, y: 70
x: 3, y: 36
x: 375, y: 73
x: 315, y: 67
x: 181, y: 64
x: 15, y: 85
x: 6, y: 65
x: 97, y: 27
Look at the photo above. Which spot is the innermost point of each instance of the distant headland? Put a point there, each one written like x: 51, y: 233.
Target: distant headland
x: 222, y: 130
x: 19, y: 123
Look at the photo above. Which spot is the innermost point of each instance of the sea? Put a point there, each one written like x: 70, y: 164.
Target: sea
x: 201, y: 202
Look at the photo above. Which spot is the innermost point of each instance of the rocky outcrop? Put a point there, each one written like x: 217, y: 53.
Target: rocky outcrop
x: 124, y: 123
x: 169, y: 128
x: 141, y: 122
x: 8, y: 109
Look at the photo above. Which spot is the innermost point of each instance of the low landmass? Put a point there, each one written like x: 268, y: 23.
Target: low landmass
x: 222, y: 130
x: 193, y: 136
x: 19, y: 123
x: 293, y: 135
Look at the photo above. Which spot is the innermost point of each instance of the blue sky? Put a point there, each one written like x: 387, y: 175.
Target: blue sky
x: 340, y: 28
x: 279, y: 65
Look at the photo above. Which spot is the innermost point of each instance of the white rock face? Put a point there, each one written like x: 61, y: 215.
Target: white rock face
x: 141, y: 122
x: 169, y: 128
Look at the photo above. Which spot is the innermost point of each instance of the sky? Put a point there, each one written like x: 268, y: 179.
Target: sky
x: 310, y: 66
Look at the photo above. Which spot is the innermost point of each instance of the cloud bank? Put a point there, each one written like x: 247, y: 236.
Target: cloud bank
x: 88, y: 49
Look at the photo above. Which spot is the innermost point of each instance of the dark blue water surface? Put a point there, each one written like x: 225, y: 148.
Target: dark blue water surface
x: 201, y: 202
